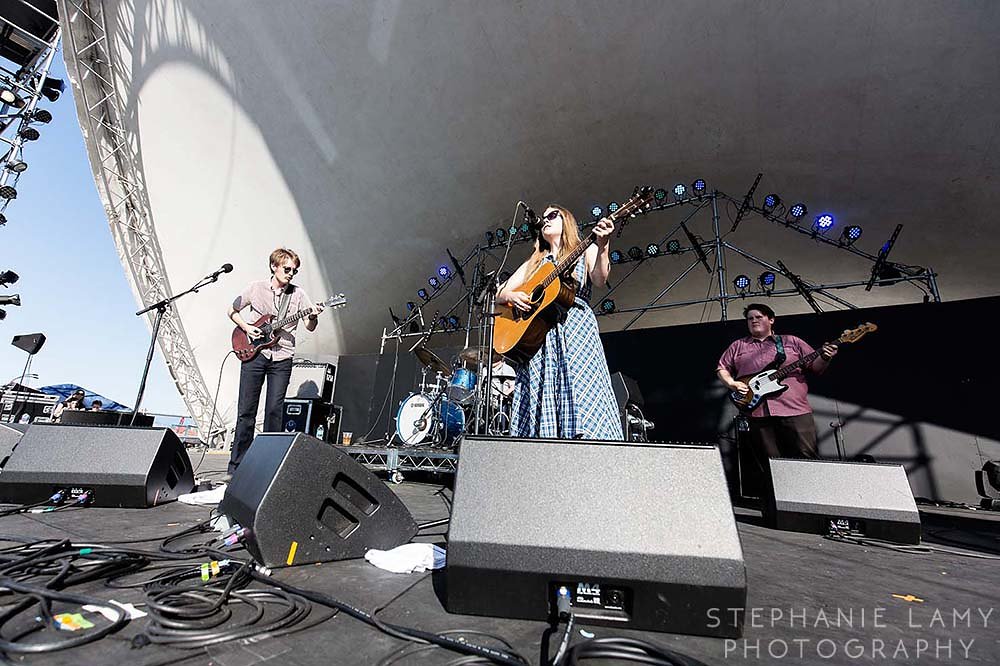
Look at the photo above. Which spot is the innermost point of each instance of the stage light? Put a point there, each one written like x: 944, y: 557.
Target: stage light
x: 525, y: 228
x: 652, y: 249
x: 17, y: 166
x: 823, y: 222
x: 444, y: 272
x: 850, y: 234
x: 11, y: 98
x: 596, y: 212
x: 660, y: 195
x: 434, y: 282
x: 674, y: 246
x: 41, y: 116
x: 613, y: 207
x: 410, y: 306
x: 766, y: 281
x: 29, y: 134
x: 698, y: 186
x: 742, y: 284
x: 8, y: 278
x: 679, y: 191
x: 52, y: 88
x: 489, y: 238
x: 8, y: 192
x: 616, y: 257
x: 635, y: 253
x: 501, y: 235
x: 771, y: 201
x: 453, y: 321
x: 796, y: 213
x: 607, y: 306
x: 3, y: 219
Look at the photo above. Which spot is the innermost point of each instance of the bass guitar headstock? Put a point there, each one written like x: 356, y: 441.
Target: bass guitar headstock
x: 855, y: 334
x: 335, y: 302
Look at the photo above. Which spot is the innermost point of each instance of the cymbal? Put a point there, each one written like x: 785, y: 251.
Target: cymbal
x: 431, y: 360
x: 469, y: 355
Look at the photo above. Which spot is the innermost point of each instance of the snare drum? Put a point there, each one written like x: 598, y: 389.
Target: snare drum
x: 417, y: 421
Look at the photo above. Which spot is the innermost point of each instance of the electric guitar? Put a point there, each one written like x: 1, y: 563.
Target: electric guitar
x: 767, y: 383
x: 517, y: 334
x: 247, y: 348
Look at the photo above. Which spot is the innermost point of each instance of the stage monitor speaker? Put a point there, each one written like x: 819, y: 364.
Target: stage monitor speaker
x: 9, y: 437
x: 822, y: 496
x: 119, y: 467
x: 311, y: 380
x: 304, y: 501
x: 641, y: 535
x: 30, y: 342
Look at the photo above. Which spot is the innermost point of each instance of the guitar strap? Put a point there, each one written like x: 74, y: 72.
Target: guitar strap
x: 286, y: 297
x: 779, y: 358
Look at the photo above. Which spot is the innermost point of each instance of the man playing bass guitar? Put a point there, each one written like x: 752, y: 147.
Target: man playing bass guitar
x: 276, y: 296
x: 781, y: 426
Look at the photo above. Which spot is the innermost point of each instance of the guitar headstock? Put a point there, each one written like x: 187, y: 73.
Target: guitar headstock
x: 855, y: 334
x: 334, y: 302
x: 642, y: 199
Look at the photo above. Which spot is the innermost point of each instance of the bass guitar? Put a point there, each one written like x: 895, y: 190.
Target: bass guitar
x: 246, y: 348
x: 767, y: 383
x: 518, y: 334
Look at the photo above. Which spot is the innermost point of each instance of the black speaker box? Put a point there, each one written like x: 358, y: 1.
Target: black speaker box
x: 642, y: 536
x: 304, y: 501
x: 120, y: 467
x: 820, y: 496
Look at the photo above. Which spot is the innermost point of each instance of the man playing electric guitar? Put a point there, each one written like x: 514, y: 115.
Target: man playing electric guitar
x: 278, y: 297
x: 781, y: 426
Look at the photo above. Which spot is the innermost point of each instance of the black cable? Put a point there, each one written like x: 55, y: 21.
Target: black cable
x: 409, y: 650
x: 215, y: 403
x: 628, y: 649
x: 497, y: 656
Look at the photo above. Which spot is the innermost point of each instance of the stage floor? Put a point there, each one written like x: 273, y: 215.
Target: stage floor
x: 810, y: 600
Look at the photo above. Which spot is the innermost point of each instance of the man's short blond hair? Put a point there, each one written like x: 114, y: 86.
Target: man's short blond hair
x: 281, y: 254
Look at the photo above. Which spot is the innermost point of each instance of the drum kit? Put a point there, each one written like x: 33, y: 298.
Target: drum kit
x: 446, y: 406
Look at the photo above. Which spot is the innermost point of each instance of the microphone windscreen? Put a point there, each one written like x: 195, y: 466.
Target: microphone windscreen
x: 227, y: 268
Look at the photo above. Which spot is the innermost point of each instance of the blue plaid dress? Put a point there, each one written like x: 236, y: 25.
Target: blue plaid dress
x: 565, y: 389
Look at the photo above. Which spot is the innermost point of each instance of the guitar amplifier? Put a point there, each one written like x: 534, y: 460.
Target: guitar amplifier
x: 313, y: 417
x: 312, y: 380
x: 24, y: 407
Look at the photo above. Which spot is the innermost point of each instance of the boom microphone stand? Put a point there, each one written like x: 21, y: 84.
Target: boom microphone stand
x: 161, y: 308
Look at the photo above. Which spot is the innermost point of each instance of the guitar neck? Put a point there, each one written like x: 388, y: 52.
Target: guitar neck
x: 290, y: 318
x: 786, y: 370
x: 570, y: 259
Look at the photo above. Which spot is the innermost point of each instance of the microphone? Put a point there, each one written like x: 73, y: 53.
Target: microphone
x: 226, y: 268
x: 458, y: 266
x: 14, y: 299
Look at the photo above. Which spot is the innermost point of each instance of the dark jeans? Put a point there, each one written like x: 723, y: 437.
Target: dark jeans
x: 780, y: 437
x: 252, y: 375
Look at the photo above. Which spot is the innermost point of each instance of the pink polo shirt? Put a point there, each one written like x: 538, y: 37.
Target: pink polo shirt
x: 748, y: 356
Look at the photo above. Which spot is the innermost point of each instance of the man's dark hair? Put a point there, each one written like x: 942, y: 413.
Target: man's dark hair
x: 759, y: 307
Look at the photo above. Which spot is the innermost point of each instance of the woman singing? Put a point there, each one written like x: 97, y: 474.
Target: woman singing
x: 564, y: 391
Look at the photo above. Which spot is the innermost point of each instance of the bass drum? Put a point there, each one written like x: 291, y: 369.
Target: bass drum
x: 417, y: 422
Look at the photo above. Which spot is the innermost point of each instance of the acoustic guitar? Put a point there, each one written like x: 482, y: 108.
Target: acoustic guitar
x: 767, y: 383
x: 247, y: 348
x: 518, y: 335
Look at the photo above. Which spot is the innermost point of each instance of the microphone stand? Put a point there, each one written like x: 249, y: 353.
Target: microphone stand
x: 161, y: 308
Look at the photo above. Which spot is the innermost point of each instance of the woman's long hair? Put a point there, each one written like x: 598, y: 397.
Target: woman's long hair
x: 570, y: 239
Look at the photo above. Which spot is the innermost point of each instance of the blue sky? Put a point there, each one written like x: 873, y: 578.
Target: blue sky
x: 73, y: 287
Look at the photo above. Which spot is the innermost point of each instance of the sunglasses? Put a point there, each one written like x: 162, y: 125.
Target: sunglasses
x: 289, y: 269
x: 551, y: 215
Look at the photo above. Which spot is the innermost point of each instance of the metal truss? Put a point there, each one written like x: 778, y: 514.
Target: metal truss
x: 395, y: 461
x: 23, y: 89
x: 113, y: 147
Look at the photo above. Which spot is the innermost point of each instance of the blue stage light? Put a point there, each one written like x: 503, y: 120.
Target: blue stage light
x: 616, y: 257
x: 501, y: 235
x: 742, y: 283
x: 422, y: 293
x: 766, y: 281
x: 410, y: 306
x: 680, y: 190
x: 823, y: 222
x: 698, y: 186
x: 850, y: 234
x: 453, y: 322
x: 444, y: 271
x: 797, y: 212
x: 613, y: 207
x: 674, y: 246
x: 771, y: 201
x: 607, y: 306
x: 652, y: 249
x: 596, y: 212
x: 434, y: 282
